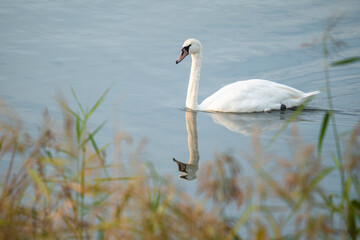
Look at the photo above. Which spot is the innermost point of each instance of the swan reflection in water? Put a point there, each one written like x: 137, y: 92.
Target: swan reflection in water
x: 253, y: 123
x: 189, y: 169
x: 243, y: 123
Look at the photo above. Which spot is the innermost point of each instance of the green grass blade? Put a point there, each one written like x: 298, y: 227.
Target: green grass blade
x: 351, y: 223
x: 94, y: 145
x: 91, y: 135
x: 346, y: 61
x: 77, y: 101
x: 97, y: 151
x: 79, y: 128
x: 155, y: 197
x: 1, y: 143
x: 68, y: 109
x: 323, y: 128
x: 321, y: 175
x: 355, y: 204
x: 356, y: 183
x: 99, y: 101
x: 346, y: 192
x: 241, y: 221
x: 337, y: 162
x: 34, y: 176
x: 166, y: 203
x: 275, y: 186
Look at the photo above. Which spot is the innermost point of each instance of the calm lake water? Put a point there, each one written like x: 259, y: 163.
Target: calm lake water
x: 131, y: 46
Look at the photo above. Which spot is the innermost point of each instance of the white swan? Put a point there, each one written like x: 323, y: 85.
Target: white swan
x: 254, y: 95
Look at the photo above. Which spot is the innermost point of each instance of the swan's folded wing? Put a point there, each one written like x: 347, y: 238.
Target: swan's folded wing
x: 242, y: 96
x: 252, y: 96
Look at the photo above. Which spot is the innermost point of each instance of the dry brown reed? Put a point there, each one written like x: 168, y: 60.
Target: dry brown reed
x: 59, y: 185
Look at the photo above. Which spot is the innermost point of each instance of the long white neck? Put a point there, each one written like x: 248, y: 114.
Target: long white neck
x: 192, y: 93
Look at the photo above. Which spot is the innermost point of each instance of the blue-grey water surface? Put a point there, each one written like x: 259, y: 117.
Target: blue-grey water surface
x: 131, y: 46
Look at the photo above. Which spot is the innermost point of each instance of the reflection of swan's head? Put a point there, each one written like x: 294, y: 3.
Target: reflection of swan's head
x: 190, y: 46
x: 188, y: 170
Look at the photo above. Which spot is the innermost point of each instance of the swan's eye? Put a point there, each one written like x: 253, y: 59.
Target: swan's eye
x: 187, y: 48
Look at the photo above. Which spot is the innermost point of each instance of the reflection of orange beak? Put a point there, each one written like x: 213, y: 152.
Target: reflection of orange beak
x: 183, y: 54
x: 182, y: 166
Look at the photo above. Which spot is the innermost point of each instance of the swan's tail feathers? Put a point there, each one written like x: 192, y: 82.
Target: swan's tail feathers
x: 310, y: 94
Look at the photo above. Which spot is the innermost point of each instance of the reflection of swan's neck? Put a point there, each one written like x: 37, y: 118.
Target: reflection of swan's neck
x: 189, y: 169
x: 191, y: 128
x: 192, y: 93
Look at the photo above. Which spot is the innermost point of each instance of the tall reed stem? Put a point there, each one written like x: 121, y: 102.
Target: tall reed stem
x: 329, y: 96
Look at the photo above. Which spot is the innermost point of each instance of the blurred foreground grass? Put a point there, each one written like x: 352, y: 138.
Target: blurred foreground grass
x: 59, y: 185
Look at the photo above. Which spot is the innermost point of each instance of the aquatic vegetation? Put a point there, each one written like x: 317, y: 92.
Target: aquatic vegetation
x: 58, y: 185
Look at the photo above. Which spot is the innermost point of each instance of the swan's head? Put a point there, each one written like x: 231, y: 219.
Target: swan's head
x: 190, y: 46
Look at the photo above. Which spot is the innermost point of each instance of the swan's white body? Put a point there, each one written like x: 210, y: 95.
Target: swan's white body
x: 254, y: 95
